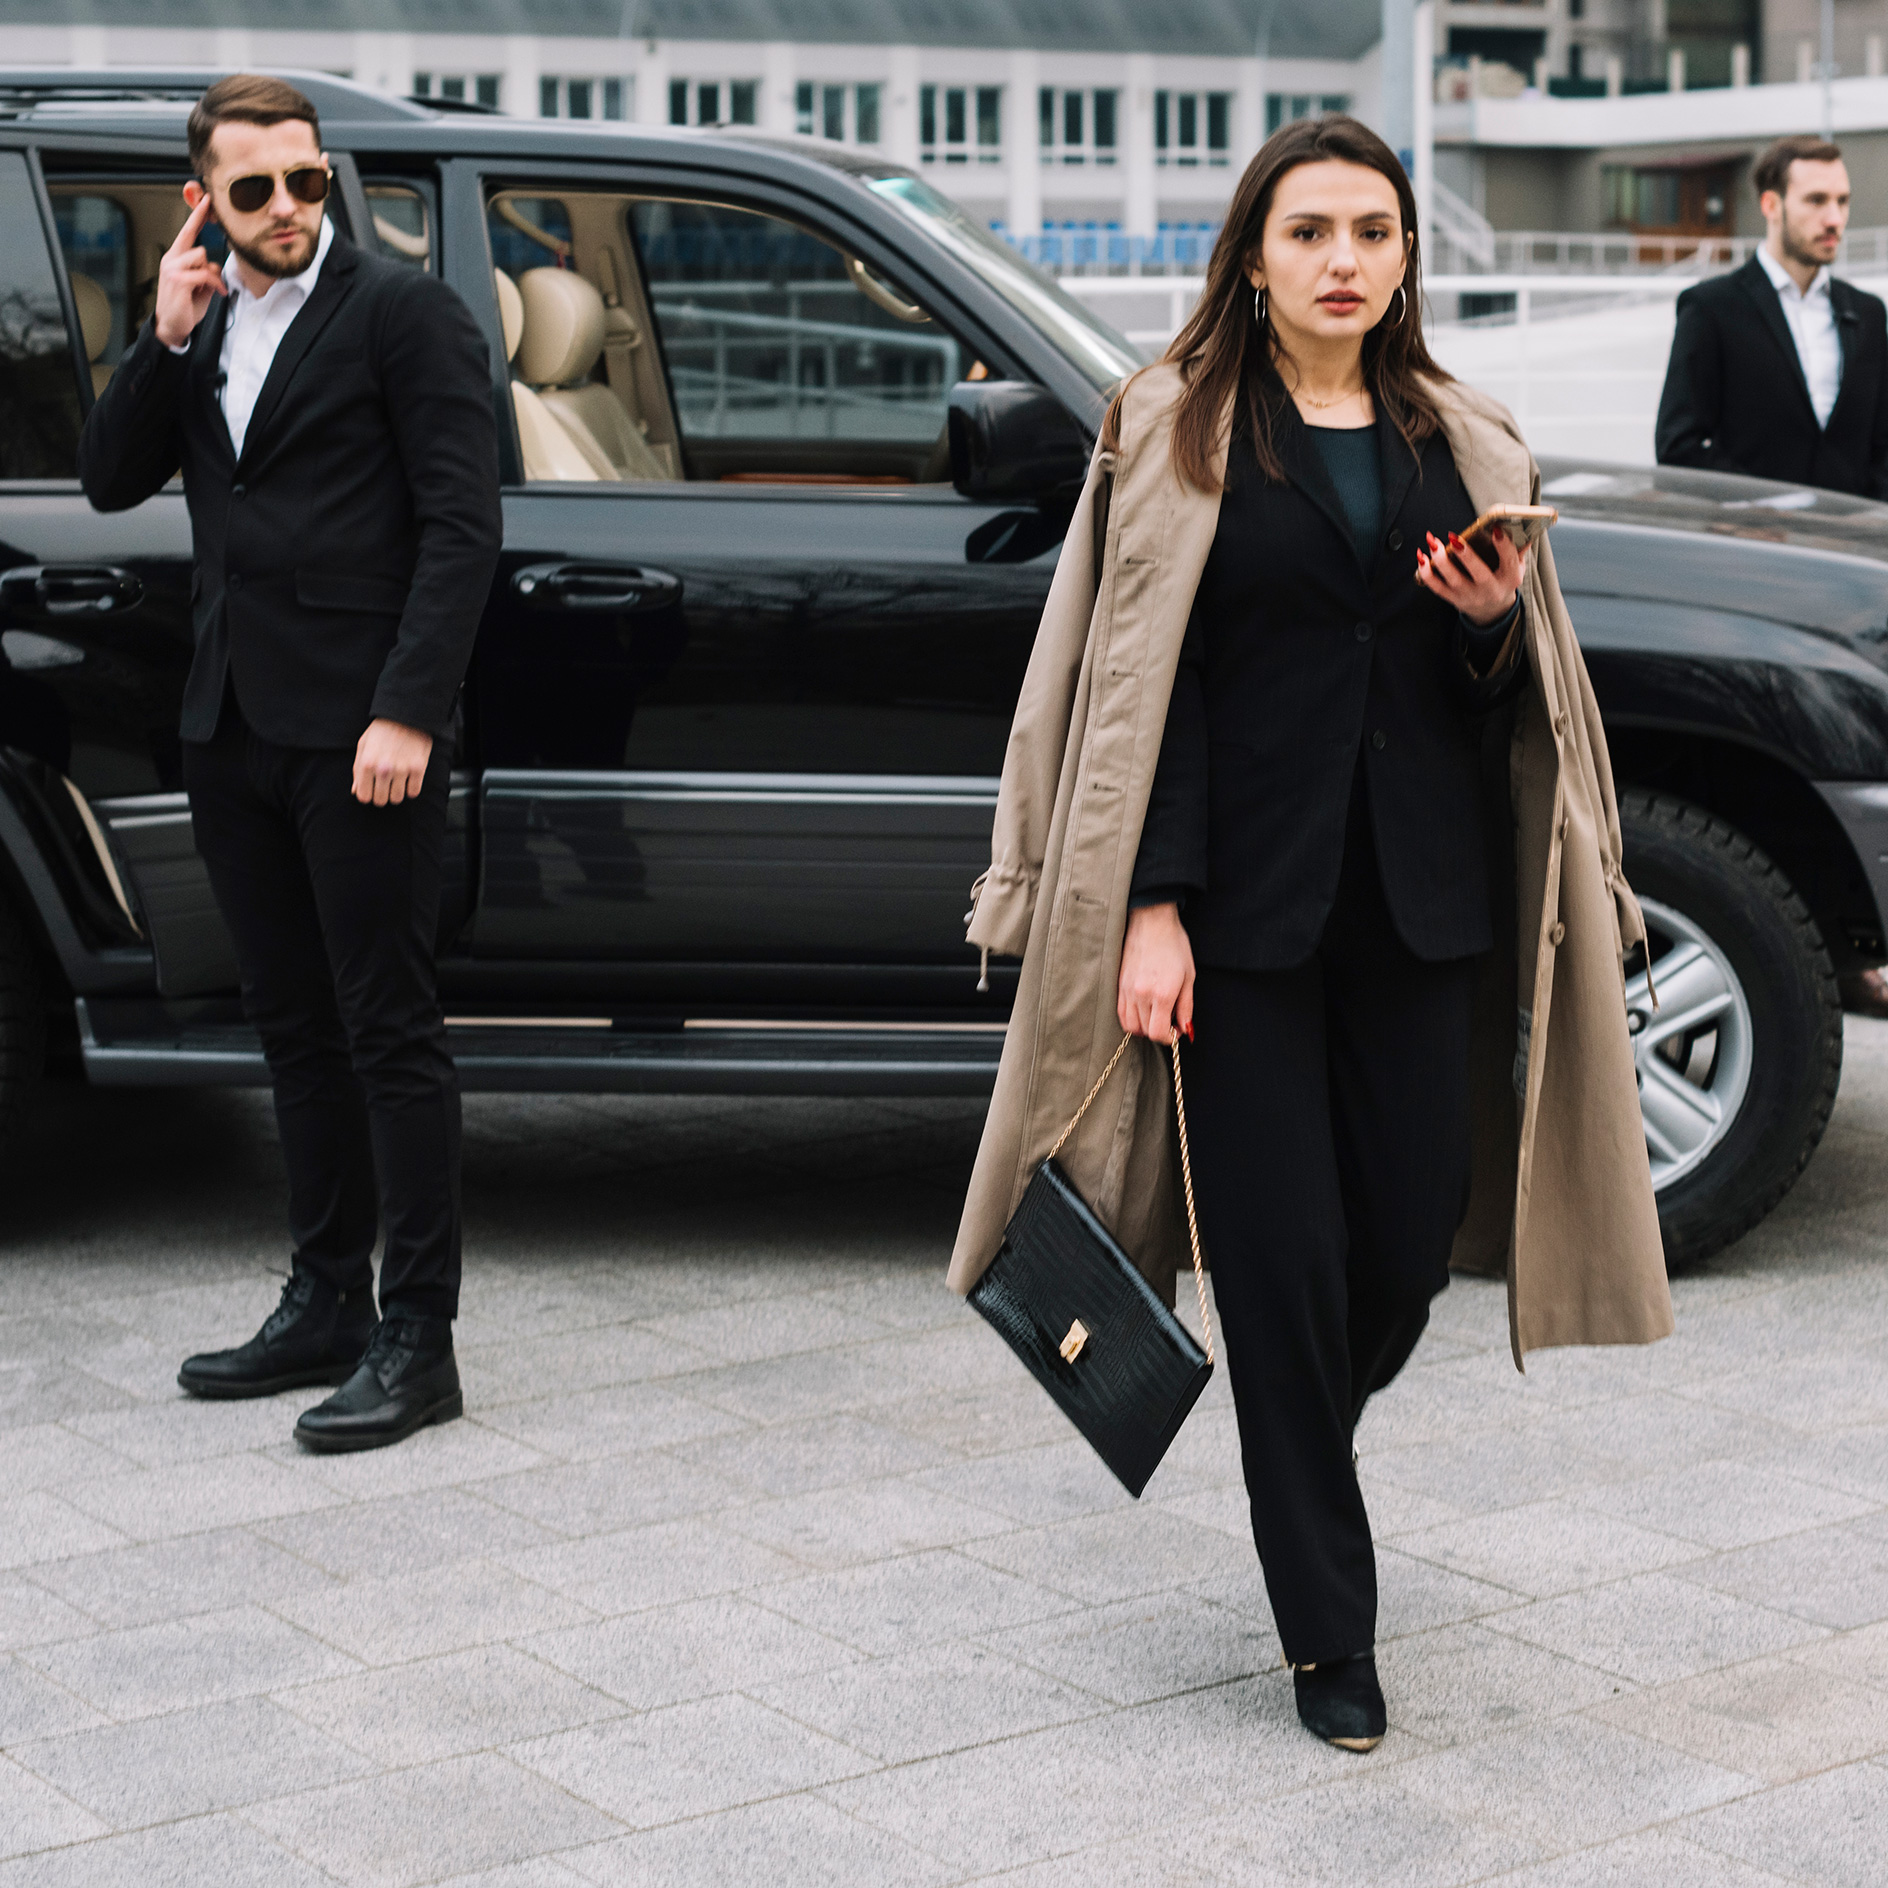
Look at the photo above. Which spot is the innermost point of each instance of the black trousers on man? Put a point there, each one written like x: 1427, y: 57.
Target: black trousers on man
x: 1330, y: 1141
x: 333, y: 906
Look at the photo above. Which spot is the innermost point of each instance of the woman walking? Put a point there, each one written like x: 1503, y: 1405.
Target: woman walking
x: 1295, y: 772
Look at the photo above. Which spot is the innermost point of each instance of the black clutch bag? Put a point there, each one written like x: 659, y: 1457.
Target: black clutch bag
x: 1088, y: 1327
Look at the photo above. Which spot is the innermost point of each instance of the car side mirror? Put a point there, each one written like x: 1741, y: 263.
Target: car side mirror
x: 1011, y: 440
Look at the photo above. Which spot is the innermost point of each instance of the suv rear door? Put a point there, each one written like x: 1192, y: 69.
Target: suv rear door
x: 741, y: 702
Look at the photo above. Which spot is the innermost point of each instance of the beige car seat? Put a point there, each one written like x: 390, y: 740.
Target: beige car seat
x: 564, y: 332
x: 549, y: 450
x: 94, y: 307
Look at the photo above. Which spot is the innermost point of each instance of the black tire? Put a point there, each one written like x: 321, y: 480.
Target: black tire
x: 22, y: 1026
x: 1694, y: 864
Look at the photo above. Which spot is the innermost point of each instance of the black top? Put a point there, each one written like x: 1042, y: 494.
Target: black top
x: 1350, y: 461
x: 1736, y: 400
x: 1308, y: 658
x: 342, y: 563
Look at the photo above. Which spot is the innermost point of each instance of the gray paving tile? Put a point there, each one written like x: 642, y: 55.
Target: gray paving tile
x: 542, y: 1871
x: 49, y: 1455
x: 449, y: 1706
x: 1830, y: 1390
x: 791, y: 1842
x: 976, y: 1421
x: 895, y: 1605
x: 33, y: 1706
x: 1655, y: 1628
x: 841, y: 1527
x: 772, y: 1327
x: 1659, y: 1429
x: 1833, y: 1576
x: 689, y: 1760
x: 38, y: 1526
x: 183, y: 1429
x: 201, y: 1573
x: 1141, y: 1650
x: 187, y: 1763
x: 653, y: 1566
x: 144, y: 1670
x: 218, y: 1849
x: 519, y: 1370
x: 1774, y: 1719
x: 1415, y: 1595
x: 1137, y: 1862
x: 1824, y: 1829
x: 225, y: 1491
x: 1364, y: 1831
x: 33, y: 1815
x: 1119, y: 1555
x: 1634, y: 1861
x: 924, y: 1703
x: 1460, y: 1683
x: 444, y: 1456
x: 1033, y: 1486
x: 29, y: 1615
x: 784, y: 1389
x: 807, y: 1457
x: 622, y: 1419
x: 672, y: 1654
x: 1860, y: 1656
x: 1546, y: 1547
x: 1476, y: 1472
x: 1529, y: 1779
x: 434, y: 1821
x: 1726, y: 1504
x: 612, y: 1493
x: 472, y: 1603
x: 405, y: 1534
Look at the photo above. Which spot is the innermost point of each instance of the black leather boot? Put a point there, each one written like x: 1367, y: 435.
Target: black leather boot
x: 315, y: 1335
x: 407, y: 1379
x: 1341, y: 1701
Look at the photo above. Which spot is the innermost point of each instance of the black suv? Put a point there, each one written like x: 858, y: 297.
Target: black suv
x: 789, y: 446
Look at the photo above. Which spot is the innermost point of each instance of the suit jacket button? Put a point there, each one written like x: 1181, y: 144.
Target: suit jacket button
x: 238, y: 491
x: 235, y: 580
x: 1396, y: 540
x: 1363, y: 632
x: 1379, y: 740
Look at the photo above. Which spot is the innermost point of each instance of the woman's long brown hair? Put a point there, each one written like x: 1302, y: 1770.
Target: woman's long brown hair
x: 1224, y: 353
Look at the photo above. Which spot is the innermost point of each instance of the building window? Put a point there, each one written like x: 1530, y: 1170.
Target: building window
x: 945, y: 119
x: 1286, y: 108
x: 480, y: 88
x: 1077, y: 127
x: 1193, y: 128
x: 848, y: 114
x: 714, y: 101
x: 584, y: 98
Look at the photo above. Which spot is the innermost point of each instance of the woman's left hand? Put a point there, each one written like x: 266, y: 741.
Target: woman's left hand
x: 1456, y: 573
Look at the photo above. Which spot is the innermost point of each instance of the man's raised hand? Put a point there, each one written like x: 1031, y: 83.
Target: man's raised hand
x: 186, y: 277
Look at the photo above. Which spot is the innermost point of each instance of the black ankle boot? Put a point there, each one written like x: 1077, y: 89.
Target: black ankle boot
x: 407, y: 1379
x: 1341, y: 1701
x: 315, y: 1335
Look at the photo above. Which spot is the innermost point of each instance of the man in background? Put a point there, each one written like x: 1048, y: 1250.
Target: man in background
x: 1779, y: 369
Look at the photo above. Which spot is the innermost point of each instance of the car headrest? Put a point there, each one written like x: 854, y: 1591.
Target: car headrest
x: 510, y: 311
x: 563, y: 326
x: 94, y: 307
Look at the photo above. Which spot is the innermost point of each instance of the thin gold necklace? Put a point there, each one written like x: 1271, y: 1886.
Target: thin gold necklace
x: 1323, y: 405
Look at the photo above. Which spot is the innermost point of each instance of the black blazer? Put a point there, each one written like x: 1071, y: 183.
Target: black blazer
x: 342, y: 564
x: 1300, y: 665
x: 1735, y: 398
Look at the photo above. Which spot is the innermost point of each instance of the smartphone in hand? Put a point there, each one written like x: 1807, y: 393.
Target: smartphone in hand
x: 1524, y: 524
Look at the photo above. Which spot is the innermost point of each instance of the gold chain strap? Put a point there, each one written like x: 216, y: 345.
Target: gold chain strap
x: 1186, y: 1163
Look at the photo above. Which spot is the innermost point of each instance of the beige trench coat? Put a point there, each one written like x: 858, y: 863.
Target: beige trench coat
x: 1561, y: 1195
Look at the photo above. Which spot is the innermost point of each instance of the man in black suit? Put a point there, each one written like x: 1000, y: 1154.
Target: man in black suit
x: 1779, y: 369
x: 331, y: 412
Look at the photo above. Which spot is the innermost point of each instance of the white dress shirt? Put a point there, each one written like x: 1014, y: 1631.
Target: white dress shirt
x: 253, y: 330
x: 1812, y: 318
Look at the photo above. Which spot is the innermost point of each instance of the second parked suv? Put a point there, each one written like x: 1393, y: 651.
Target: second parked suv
x: 789, y: 446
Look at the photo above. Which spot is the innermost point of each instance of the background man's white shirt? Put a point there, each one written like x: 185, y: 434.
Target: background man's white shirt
x: 1812, y: 318
x: 253, y: 330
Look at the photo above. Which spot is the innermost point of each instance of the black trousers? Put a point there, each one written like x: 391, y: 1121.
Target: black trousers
x: 333, y: 907
x: 1330, y: 1143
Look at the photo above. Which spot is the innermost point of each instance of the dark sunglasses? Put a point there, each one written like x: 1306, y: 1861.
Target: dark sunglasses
x: 306, y: 184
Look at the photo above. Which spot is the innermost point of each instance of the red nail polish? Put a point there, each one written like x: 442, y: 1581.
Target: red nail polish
x: 1189, y: 1032
x: 1455, y: 543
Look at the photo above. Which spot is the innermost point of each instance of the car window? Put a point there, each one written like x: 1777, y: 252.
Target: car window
x: 39, y: 392
x: 403, y: 221
x: 95, y: 240
x: 786, y: 355
x: 657, y: 338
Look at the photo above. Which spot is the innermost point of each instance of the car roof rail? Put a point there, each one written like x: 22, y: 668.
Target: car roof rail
x: 60, y: 92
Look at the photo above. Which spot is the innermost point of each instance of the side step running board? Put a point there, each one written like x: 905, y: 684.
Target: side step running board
x: 139, y: 1045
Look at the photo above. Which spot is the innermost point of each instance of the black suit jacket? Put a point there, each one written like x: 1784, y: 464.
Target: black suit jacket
x: 343, y: 562
x: 1735, y: 398
x: 1299, y: 665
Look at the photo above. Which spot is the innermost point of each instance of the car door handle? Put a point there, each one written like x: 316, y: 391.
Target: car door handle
x: 42, y: 590
x: 595, y: 587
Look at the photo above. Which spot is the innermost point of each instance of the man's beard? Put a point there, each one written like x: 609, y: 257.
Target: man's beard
x: 1797, y: 249
x: 273, y: 261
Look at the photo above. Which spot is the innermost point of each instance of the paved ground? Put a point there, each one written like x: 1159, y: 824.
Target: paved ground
x: 760, y: 1562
